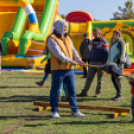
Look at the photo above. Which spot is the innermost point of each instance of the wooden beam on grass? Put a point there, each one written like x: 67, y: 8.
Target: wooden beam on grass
x: 101, y: 108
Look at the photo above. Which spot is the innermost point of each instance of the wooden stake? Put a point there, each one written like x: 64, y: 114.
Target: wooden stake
x: 95, y: 66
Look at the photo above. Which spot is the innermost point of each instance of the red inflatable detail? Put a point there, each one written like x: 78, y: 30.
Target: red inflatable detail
x: 132, y: 66
x: 9, y: 9
x: 79, y: 17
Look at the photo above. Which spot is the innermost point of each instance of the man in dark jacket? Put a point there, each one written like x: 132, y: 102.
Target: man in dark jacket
x: 1, y: 50
x: 98, y: 56
x: 84, y: 50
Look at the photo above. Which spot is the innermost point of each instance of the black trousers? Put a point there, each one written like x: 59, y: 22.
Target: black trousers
x: 84, y: 68
x: 117, y: 84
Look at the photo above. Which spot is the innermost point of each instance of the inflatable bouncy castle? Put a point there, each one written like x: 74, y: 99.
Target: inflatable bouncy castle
x: 81, y: 22
x: 25, y: 24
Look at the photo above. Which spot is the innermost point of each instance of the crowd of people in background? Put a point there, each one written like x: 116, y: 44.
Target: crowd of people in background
x: 62, y: 57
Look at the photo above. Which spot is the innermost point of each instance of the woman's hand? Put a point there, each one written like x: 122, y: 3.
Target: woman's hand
x: 73, y: 62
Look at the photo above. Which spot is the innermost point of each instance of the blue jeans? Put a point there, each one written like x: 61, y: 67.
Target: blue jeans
x: 45, y: 77
x: 58, y: 77
x: 63, y: 86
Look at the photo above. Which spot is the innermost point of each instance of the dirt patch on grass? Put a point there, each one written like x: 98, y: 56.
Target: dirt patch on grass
x: 21, y: 124
x: 12, y: 128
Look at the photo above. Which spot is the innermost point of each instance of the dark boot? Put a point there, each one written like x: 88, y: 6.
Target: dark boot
x: 82, y: 94
x: 98, y: 93
x: 40, y: 83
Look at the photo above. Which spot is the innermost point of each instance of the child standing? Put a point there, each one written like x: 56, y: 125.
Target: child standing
x: 47, y: 69
x: 131, y: 82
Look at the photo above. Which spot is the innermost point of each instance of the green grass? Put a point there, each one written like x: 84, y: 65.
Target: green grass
x: 18, y: 91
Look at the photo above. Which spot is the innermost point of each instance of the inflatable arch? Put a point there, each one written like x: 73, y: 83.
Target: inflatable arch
x: 33, y: 21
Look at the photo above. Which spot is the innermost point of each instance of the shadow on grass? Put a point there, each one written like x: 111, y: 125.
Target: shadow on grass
x: 27, y: 118
x: 93, y: 99
x: 89, y: 122
x: 69, y: 116
x: 36, y: 86
x: 25, y: 77
x: 127, y: 106
x: 2, y: 87
x: 34, y: 125
x: 23, y: 98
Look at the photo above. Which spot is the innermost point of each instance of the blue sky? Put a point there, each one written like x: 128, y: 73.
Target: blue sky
x: 99, y: 9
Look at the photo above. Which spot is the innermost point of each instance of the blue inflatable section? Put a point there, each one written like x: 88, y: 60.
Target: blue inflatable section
x: 32, y: 18
x: 28, y: 57
x: 78, y: 72
x: 13, y: 69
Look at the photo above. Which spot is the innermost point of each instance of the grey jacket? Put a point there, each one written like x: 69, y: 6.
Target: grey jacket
x: 84, y: 49
x: 118, y: 57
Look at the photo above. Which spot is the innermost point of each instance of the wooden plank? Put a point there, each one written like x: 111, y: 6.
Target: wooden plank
x: 95, y: 66
x: 102, y: 108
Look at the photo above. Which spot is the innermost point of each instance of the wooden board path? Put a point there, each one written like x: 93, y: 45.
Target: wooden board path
x: 90, y: 107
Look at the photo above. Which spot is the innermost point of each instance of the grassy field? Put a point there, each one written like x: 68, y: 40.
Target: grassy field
x: 17, y: 115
